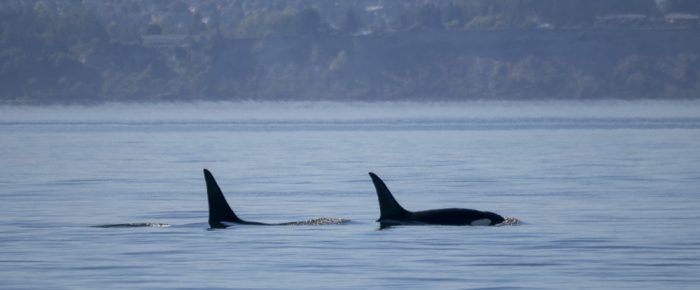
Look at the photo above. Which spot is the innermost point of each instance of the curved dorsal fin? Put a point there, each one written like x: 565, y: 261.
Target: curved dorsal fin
x: 389, y: 208
x: 219, y: 210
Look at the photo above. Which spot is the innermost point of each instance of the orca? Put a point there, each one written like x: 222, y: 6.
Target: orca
x: 220, y: 213
x: 392, y: 213
x: 222, y: 216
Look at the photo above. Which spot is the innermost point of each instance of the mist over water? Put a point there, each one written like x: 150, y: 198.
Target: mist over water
x: 607, y: 190
x: 310, y: 112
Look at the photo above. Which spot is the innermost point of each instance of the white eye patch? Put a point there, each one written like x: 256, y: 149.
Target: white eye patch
x: 481, y: 222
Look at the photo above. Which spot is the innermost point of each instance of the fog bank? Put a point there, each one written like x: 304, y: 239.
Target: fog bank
x: 281, y: 112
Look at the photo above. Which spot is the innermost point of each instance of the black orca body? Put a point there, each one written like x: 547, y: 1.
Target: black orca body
x: 222, y: 216
x: 219, y: 210
x: 392, y: 213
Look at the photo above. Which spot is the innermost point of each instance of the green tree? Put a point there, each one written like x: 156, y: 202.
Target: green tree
x: 197, y: 25
x: 307, y: 22
x: 351, y: 22
x: 154, y: 29
x: 683, y: 6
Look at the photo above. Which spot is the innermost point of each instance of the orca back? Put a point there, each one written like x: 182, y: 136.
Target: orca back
x: 457, y: 217
x: 392, y: 213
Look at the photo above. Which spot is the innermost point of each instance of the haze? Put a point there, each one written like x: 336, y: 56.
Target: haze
x: 91, y: 52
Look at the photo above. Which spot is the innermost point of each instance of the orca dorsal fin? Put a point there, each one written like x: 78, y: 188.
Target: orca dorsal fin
x: 389, y: 208
x: 219, y: 210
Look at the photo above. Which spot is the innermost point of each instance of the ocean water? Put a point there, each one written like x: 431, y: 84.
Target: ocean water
x: 608, y: 194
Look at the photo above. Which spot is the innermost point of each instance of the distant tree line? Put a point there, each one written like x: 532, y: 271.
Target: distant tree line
x: 135, y: 50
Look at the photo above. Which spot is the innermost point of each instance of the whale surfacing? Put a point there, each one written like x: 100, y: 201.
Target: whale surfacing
x: 392, y: 213
x: 222, y: 216
x: 220, y: 213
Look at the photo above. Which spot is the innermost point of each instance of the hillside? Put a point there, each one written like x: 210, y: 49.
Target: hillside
x: 98, y: 51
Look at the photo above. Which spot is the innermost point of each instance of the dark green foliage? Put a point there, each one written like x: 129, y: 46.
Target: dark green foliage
x: 154, y: 29
x: 682, y: 6
x: 351, y: 22
x: 62, y: 51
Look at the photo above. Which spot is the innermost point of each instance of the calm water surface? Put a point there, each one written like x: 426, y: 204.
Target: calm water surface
x: 608, y: 201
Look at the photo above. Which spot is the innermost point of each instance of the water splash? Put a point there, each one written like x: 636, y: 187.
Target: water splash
x: 134, y: 225
x: 319, y: 222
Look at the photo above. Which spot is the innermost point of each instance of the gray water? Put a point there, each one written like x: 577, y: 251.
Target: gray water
x: 609, y: 195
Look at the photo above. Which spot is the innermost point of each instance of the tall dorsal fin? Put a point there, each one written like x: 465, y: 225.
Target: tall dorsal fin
x: 219, y: 210
x: 389, y: 208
